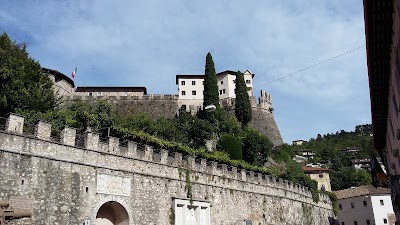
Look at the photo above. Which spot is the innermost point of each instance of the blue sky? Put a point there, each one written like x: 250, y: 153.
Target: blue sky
x: 146, y: 43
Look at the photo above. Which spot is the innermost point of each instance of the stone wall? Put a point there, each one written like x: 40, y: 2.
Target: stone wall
x: 67, y: 183
x: 263, y: 120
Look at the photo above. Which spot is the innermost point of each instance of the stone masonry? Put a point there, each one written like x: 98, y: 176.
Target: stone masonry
x: 70, y: 184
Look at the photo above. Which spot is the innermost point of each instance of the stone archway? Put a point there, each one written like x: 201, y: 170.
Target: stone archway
x: 112, y: 213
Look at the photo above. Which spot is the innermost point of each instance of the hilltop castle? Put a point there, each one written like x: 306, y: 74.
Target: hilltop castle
x: 189, y: 98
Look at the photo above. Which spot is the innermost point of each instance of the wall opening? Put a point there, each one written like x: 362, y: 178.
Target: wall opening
x: 112, y: 213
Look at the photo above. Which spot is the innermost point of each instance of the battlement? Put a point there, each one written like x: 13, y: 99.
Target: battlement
x: 129, y: 156
x: 121, y: 97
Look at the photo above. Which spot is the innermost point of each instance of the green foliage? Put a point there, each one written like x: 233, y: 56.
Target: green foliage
x: 231, y: 145
x: 328, y: 149
x: 348, y: 177
x: 256, y: 147
x: 226, y: 123
x: 242, y: 101
x: 334, y: 200
x: 217, y: 156
x: 295, y: 173
x: 210, y: 93
x: 98, y: 115
x: 283, y: 153
x: 210, y: 83
x: 22, y: 84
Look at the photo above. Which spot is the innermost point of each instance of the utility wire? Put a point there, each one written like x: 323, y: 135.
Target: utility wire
x: 309, y: 67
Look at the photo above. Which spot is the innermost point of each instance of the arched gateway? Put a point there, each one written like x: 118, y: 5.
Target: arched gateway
x: 112, y: 213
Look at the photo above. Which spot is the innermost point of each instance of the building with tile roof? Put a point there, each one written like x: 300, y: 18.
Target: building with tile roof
x: 321, y: 175
x: 365, y: 205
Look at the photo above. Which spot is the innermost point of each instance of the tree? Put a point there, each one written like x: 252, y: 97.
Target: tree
x: 231, y: 145
x: 210, y: 94
x: 256, y: 147
x: 23, y: 86
x: 242, y: 102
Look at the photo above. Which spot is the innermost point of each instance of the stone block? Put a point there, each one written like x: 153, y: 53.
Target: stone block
x: 68, y: 136
x: 164, y: 156
x: 148, y: 152
x: 15, y: 124
x: 92, y: 141
x: 177, y: 159
x: 43, y: 130
x: 132, y: 149
x: 243, y: 174
x: 113, y: 144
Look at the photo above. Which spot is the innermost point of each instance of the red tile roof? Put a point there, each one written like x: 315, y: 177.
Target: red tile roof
x: 360, y: 191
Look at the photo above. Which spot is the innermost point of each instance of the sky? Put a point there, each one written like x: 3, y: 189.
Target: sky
x: 146, y: 43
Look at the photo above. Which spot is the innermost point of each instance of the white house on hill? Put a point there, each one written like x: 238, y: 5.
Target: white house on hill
x: 191, y: 87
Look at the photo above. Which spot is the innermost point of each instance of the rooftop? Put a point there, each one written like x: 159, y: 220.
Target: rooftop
x: 360, y: 191
x: 200, y: 76
x: 378, y: 35
x: 308, y: 169
x: 112, y: 89
x: 58, y: 75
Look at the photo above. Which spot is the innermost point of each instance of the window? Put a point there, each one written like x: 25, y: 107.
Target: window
x: 223, y: 91
x: 222, y: 82
x: 234, y: 81
x: 385, y: 221
x: 203, y: 82
x: 342, y: 223
x: 193, y: 92
x: 321, y: 175
x: 365, y: 203
x: 90, y: 93
x: 220, y: 92
x: 193, y: 82
x: 381, y: 201
x: 126, y: 94
x: 355, y: 222
x: 340, y: 206
x: 368, y: 222
x: 248, y: 82
x: 183, y: 92
x: 183, y: 82
x: 352, y: 205
x: 183, y: 108
x: 99, y: 94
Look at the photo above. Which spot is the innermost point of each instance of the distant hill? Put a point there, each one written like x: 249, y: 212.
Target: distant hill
x: 335, y: 150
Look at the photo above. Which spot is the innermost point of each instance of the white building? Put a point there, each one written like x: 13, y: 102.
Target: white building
x: 191, y: 87
x: 365, y: 205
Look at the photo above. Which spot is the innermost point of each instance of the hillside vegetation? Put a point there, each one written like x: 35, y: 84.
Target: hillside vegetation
x: 329, y: 148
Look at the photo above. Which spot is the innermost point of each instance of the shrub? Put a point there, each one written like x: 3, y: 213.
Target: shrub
x: 231, y: 145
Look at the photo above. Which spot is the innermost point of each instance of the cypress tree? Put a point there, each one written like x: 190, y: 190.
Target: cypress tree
x: 210, y: 94
x: 242, y: 101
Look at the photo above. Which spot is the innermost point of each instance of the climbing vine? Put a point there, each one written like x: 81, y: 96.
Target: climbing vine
x: 188, y: 186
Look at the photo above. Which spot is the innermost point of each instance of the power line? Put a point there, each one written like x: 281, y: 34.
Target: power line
x: 309, y: 67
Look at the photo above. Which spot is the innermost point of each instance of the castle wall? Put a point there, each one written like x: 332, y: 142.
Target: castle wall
x: 263, y: 120
x: 68, y: 184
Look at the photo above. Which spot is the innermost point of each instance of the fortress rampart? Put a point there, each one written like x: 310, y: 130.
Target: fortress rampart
x: 70, y: 180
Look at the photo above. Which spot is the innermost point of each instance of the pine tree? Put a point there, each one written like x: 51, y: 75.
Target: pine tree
x: 242, y: 101
x: 210, y: 94
x: 22, y: 83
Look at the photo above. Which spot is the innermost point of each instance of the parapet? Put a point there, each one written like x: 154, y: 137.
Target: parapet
x: 126, y: 149
x: 119, y: 97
